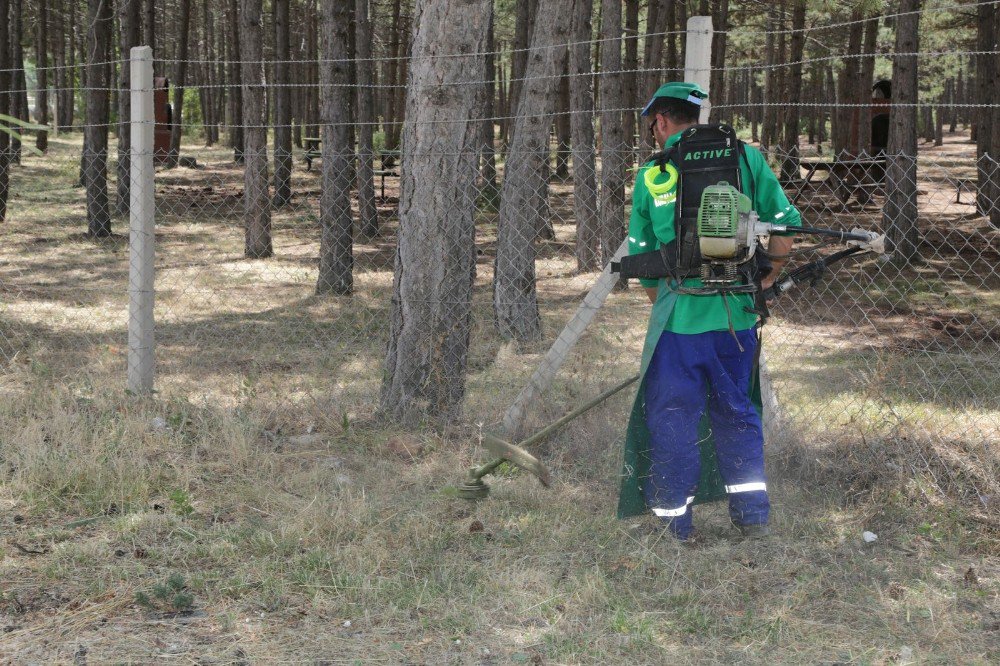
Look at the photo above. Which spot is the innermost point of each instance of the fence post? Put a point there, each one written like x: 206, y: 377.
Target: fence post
x: 698, y: 58
x: 142, y: 210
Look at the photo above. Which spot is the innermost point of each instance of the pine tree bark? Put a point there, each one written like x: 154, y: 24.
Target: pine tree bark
x: 490, y: 193
x: 771, y: 59
x: 671, y: 63
x: 994, y: 146
x: 523, y: 27
x: 282, y: 104
x: 986, y: 39
x: 236, y: 134
x: 790, y: 163
x: 847, y: 89
x: 720, y: 37
x: 19, y: 96
x: 180, y: 79
x: 368, y: 213
x: 563, y: 127
x: 129, y: 35
x: 866, y: 79
x: 392, y: 77
x: 61, y: 72
x: 900, y: 211
x: 430, y: 319
x: 4, y: 109
x: 95, y: 135
x: 256, y: 198
x: 42, y: 59
x: 148, y: 24
x: 213, y: 90
x: 614, y: 149
x: 524, y: 191
x: 336, y: 246
x: 588, y: 238
x: 630, y: 77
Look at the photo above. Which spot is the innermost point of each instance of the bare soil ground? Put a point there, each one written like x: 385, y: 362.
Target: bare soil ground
x: 255, y: 511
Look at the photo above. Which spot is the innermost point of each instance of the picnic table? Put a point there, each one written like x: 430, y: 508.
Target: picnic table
x: 860, y: 177
x: 387, y: 160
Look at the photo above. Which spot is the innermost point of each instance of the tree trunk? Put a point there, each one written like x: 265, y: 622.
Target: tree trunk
x: 148, y: 24
x: 671, y: 64
x: 42, y: 59
x: 19, y: 84
x: 866, y: 79
x: 180, y: 79
x: 994, y: 145
x: 524, y: 188
x: 95, y: 135
x: 720, y: 37
x: 614, y: 149
x: 630, y: 82
x: 928, y: 123
x: 790, y: 163
x: 393, y: 79
x: 490, y: 193
x: 847, y: 89
x: 563, y: 128
x: 771, y: 58
x: 256, y: 199
x: 584, y: 154
x: 986, y: 39
x: 236, y: 134
x: 950, y: 102
x: 129, y: 31
x: 336, y: 247
x: 435, y: 258
x: 4, y: 109
x: 61, y: 71
x: 399, y: 93
x: 368, y: 213
x: 73, y: 60
x: 212, y: 82
x: 939, y: 119
x: 900, y: 211
x: 282, y: 104
x: 523, y: 27
x: 658, y: 21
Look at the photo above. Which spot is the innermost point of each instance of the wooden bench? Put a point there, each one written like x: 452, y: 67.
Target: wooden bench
x: 387, y: 160
x: 845, y: 181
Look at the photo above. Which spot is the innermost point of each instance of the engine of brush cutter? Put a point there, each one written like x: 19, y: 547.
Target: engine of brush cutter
x: 728, y: 232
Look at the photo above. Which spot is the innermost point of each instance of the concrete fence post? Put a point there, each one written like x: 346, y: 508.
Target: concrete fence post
x: 698, y: 57
x: 142, y: 211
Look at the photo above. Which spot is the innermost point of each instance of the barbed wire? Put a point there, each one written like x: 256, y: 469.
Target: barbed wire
x: 569, y: 75
x: 500, y: 52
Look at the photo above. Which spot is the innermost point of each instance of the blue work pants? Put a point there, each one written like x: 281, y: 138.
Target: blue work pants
x: 686, y: 375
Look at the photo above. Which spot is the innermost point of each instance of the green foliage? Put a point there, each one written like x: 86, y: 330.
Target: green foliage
x: 181, y: 501
x: 170, y: 596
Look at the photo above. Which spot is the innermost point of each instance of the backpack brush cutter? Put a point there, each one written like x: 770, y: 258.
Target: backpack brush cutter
x: 728, y: 235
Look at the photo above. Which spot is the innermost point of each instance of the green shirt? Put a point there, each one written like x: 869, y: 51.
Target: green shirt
x: 652, y: 224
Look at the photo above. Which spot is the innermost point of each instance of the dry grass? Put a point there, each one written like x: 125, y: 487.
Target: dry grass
x: 257, y: 480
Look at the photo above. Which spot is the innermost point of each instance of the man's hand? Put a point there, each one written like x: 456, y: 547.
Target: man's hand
x: 651, y: 293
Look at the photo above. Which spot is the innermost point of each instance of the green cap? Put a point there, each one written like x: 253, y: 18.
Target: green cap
x: 689, y: 92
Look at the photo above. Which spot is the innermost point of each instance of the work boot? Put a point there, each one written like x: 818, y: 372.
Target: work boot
x: 753, y: 531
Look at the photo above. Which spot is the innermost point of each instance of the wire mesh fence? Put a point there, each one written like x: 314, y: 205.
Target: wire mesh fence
x: 283, y: 276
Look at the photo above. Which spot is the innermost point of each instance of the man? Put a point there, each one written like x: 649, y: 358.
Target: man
x: 701, y: 349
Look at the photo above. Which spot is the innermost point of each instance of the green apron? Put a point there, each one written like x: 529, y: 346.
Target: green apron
x: 635, y: 465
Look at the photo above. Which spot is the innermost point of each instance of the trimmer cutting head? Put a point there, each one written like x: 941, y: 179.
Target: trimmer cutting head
x: 474, y: 488
x: 517, y: 456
